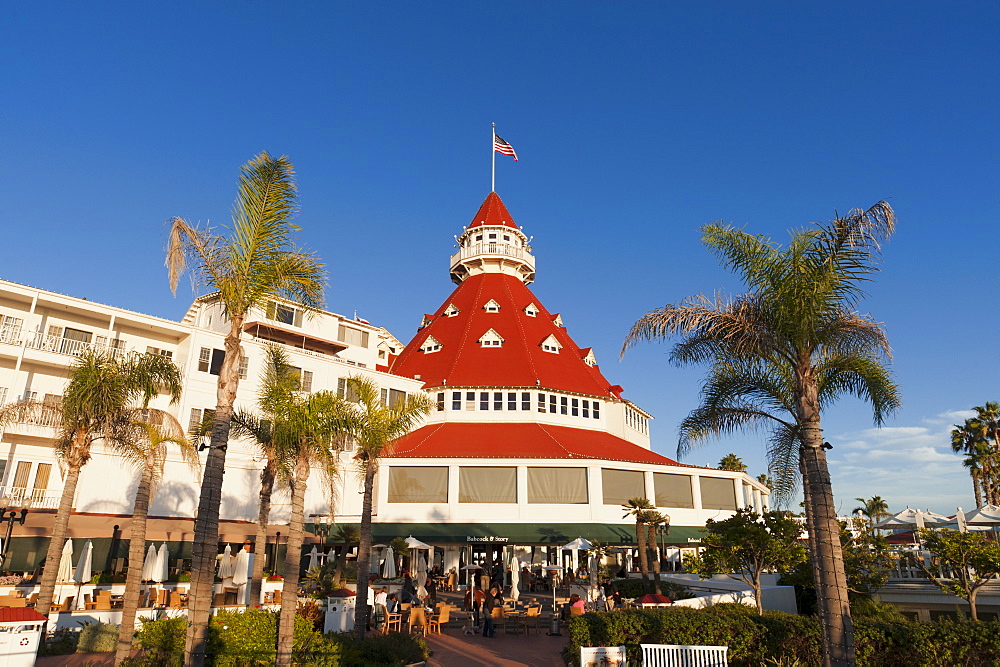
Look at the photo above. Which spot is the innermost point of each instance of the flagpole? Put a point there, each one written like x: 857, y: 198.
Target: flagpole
x: 493, y: 152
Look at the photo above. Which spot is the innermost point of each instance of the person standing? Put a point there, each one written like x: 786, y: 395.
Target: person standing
x: 488, y: 605
x: 432, y: 588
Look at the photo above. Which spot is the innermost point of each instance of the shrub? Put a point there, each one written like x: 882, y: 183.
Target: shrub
x: 391, y: 649
x: 162, y: 642
x: 62, y: 641
x: 97, y: 638
x: 629, y: 588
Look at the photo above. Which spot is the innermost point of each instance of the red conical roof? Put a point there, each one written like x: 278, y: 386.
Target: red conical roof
x: 519, y: 361
x: 493, y: 212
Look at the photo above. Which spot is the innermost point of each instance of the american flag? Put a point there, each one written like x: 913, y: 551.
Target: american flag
x: 502, y: 147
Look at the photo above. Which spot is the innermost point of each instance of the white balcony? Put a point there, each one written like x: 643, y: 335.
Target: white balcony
x: 68, y: 346
x: 39, y: 499
x: 493, y: 248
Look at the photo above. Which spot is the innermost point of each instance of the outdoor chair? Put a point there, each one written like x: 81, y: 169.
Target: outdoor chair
x: 103, y: 601
x: 67, y: 604
x: 418, y: 620
x: 499, y: 619
x: 163, y: 597
x: 33, y: 599
x: 393, y: 621
x: 439, y: 619
x: 531, y: 617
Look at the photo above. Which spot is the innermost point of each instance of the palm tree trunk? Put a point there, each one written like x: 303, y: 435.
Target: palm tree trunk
x: 364, y: 552
x: 828, y: 563
x: 640, y: 537
x: 338, y: 575
x: 136, y: 553
x: 293, y: 563
x: 651, y: 545
x: 59, y: 528
x: 206, y: 525
x: 260, y: 545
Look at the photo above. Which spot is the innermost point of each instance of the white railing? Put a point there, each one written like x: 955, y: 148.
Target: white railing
x: 33, y: 498
x: 492, y: 248
x: 68, y: 346
x: 10, y: 334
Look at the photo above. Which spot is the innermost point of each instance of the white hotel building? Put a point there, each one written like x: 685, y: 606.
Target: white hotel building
x: 528, y: 447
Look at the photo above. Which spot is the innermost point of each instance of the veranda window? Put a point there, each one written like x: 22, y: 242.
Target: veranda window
x: 673, y: 490
x: 718, y: 494
x: 418, y: 484
x: 620, y: 485
x: 482, y: 484
x: 561, y: 486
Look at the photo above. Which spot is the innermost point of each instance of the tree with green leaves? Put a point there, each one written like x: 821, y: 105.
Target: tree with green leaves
x: 654, y: 521
x: 979, y: 440
x: 347, y: 534
x: 972, y: 558
x: 874, y: 509
x: 146, y: 452
x: 867, y: 560
x: 766, y: 480
x: 373, y: 429
x: 639, y: 508
x: 732, y: 463
x: 257, y: 262
x: 747, y: 545
x: 778, y: 355
x: 278, y: 380
x: 105, y: 395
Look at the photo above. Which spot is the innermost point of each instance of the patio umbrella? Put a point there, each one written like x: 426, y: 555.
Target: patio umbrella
x: 515, y: 578
x: 149, y: 565
x: 162, y: 570
x: 66, y: 562
x: 987, y: 515
x: 911, y: 518
x: 83, y: 571
x: 575, y: 546
x: 226, y: 563
x: 469, y: 569
x: 313, y: 558
x: 414, y: 543
x: 241, y: 567
x: 389, y: 566
x: 421, y: 576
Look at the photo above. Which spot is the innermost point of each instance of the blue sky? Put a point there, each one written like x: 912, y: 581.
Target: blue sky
x: 634, y: 123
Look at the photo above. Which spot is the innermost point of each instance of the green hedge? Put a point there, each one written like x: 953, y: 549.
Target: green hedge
x: 753, y: 639
x: 97, y: 638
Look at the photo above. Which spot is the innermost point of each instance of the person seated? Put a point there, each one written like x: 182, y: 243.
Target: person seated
x: 392, y: 604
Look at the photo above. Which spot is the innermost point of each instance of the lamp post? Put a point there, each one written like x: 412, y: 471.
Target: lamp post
x: 9, y: 516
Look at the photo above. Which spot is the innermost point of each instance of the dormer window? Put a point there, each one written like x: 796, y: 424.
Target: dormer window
x: 491, y: 339
x: 430, y: 345
x: 590, y: 359
x: 557, y: 320
x: 492, y: 306
x: 550, y: 344
x: 451, y: 310
x: 531, y: 310
x: 427, y: 320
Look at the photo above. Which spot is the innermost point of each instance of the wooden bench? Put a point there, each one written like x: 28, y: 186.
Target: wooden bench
x: 674, y: 655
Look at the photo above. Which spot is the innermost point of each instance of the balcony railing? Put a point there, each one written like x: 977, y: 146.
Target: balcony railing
x: 41, y: 499
x: 68, y: 346
x: 10, y: 334
x: 492, y: 248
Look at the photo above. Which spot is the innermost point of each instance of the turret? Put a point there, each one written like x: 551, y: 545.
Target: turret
x: 493, y: 243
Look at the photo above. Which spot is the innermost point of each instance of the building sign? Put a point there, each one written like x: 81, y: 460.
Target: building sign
x: 695, y: 540
x: 485, y: 538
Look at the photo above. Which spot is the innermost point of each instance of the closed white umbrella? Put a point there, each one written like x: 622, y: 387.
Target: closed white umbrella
x: 161, y: 571
x: 313, y: 558
x: 389, y: 566
x: 226, y: 563
x: 83, y: 571
x: 66, y: 562
x: 149, y: 565
x: 241, y: 567
x: 515, y: 578
x: 421, y: 576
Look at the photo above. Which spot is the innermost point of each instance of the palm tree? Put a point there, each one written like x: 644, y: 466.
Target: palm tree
x: 346, y: 534
x: 653, y: 521
x: 979, y: 439
x: 732, y: 463
x: 638, y: 507
x: 277, y: 380
x: 374, y: 428
x: 101, y: 400
x: 874, y: 509
x: 256, y: 263
x: 778, y: 355
x: 304, y: 430
x: 147, y: 452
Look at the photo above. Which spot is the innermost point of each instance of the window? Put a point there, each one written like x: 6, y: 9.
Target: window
x: 512, y: 400
x: 346, y: 390
x: 484, y: 400
x: 3, y: 470
x: 244, y: 366
x: 525, y: 400
x: 352, y: 336
x: 3, y: 399
x: 430, y: 345
x: 498, y: 400
x: 558, y: 321
x: 563, y: 486
x: 563, y: 401
x: 21, y: 476
x: 470, y: 400
x: 305, y: 378
x: 456, y: 400
x: 574, y: 407
x: 451, y: 310
x: 718, y: 493
x: 620, y: 485
x: 418, y: 484
x: 552, y: 404
x: 479, y: 237
x: 440, y: 401
x: 160, y: 352
x: 586, y: 408
x: 589, y: 358
x: 531, y: 310
x: 491, y: 339
x: 201, y: 421
x: 506, y: 237
x: 41, y: 481
x: 285, y: 314
x: 493, y: 237
x: 597, y: 410
x: 396, y: 398
x: 673, y: 490
x: 541, y: 402
x: 550, y: 344
x: 210, y: 360
x: 492, y: 306
x: 481, y: 484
